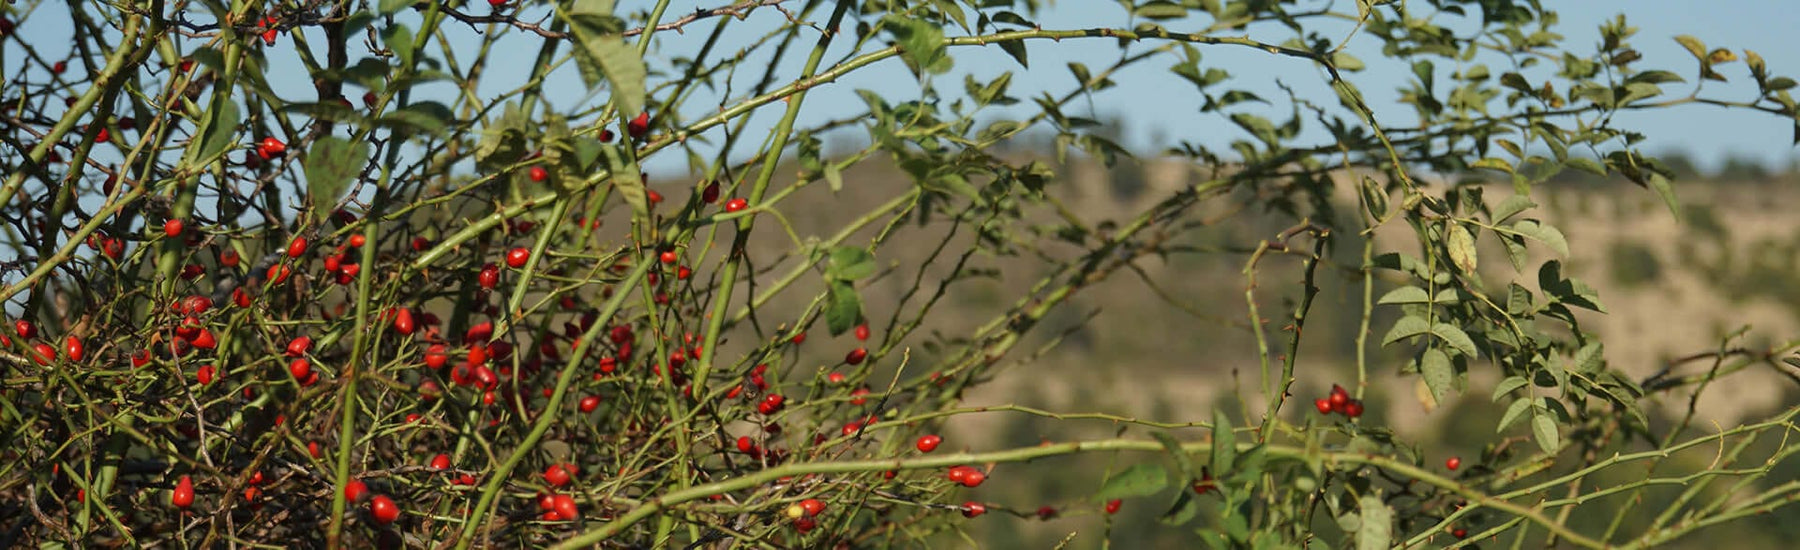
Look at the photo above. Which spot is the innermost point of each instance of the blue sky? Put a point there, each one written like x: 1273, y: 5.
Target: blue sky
x: 1159, y: 109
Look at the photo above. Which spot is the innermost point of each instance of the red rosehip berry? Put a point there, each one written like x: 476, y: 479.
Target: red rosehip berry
x: 172, y: 228
x: 736, y: 205
x: 299, y: 346
x: 556, y: 475
x: 183, y: 495
x: 1112, y: 506
x: 929, y: 443
x: 1323, y: 405
x: 1453, y: 463
x: 383, y: 509
x: 639, y: 125
x: 1354, y: 408
x: 856, y: 356
x: 356, y: 491
x: 589, y: 403
x: 517, y: 257
x: 440, y: 462
x: 538, y: 174
x: 1338, y: 397
x: 972, y: 509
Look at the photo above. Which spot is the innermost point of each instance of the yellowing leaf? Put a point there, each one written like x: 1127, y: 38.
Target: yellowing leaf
x: 1461, y: 245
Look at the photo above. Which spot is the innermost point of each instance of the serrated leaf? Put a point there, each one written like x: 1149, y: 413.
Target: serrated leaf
x: 219, y: 134
x: 1160, y: 9
x: 1224, y: 442
x: 1549, y: 235
x: 1693, y: 45
x: 425, y: 116
x: 330, y: 166
x: 627, y: 180
x: 399, y: 39
x: 843, y: 307
x: 1405, y: 295
x: 1514, y: 412
x: 1543, y: 429
x: 1455, y: 337
x: 1666, y: 190
x: 1590, y: 358
x: 1136, y: 481
x: 834, y: 178
x: 1376, y: 531
x: 1492, y: 163
x: 921, y: 44
x: 1439, y: 375
x: 1461, y: 246
x: 1182, y: 510
x: 1182, y: 463
x: 1507, y: 386
x: 1016, y: 49
x: 1512, y: 206
x: 849, y: 263
x: 1406, y: 327
x: 602, y: 52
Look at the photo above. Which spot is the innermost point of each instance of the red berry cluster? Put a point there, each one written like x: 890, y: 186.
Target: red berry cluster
x: 1339, y: 402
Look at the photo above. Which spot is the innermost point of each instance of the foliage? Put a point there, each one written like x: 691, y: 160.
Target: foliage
x: 491, y: 278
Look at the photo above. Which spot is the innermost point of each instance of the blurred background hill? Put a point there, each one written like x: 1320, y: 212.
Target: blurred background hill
x: 1170, y: 341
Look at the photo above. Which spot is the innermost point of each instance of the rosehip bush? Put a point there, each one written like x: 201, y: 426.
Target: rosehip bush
x: 476, y: 309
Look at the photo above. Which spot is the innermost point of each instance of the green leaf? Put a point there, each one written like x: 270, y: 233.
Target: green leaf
x: 849, y: 263
x: 921, y: 44
x: 1137, y: 481
x: 425, y: 116
x: 1160, y: 9
x: 627, y: 180
x: 1170, y: 444
x: 834, y: 177
x: 1693, y: 45
x: 1664, y: 188
x: 219, y: 132
x: 1514, y: 412
x: 1405, y: 295
x: 1586, y: 165
x: 601, y: 51
x: 1439, y: 375
x: 1492, y: 163
x: 1224, y: 442
x: 1543, y: 428
x: 1346, y: 62
x: 1016, y: 49
x: 1182, y: 510
x: 1512, y: 206
x: 1406, y: 327
x: 1455, y: 337
x: 843, y: 307
x: 1461, y: 245
x: 1546, y: 234
x: 1590, y: 358
x: 330, y: 166
x: 390, y: 7
x: 1656, y: 77
x: 1508, y: 385
x: 399, y: 39
x: 1376, y: 531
